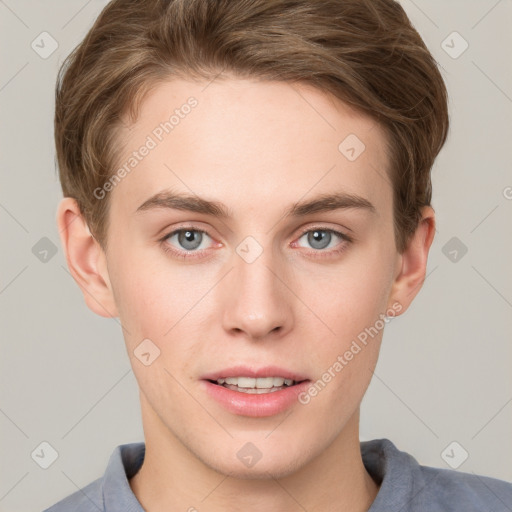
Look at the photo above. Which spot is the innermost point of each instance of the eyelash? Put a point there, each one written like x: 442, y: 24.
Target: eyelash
x: 316, y: 253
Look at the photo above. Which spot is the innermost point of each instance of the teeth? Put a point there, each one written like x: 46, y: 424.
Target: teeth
x: 253, y: 383
x: 252, y: 391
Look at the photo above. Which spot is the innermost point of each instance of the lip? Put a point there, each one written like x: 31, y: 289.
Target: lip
x: 254, y: 405
x: 246, y: 371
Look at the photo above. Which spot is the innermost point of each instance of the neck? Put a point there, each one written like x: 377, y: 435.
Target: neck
x: 173, y: 478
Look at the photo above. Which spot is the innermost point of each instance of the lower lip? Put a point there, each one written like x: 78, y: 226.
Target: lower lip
x: 245, y: 404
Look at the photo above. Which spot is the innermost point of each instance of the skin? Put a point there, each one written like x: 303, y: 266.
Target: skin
x: 257, y: 147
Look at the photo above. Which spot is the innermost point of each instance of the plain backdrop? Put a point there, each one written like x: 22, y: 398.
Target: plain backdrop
x: 443, y: 384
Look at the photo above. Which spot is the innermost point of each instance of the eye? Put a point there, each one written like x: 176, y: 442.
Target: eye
x: 324, y: 238
x: 186, y: 240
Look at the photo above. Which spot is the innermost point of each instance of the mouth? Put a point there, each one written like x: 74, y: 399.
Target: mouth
x: 258, y: 392
x: 256, y: 385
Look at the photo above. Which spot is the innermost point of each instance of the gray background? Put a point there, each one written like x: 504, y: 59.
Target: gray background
x: 444, y: 370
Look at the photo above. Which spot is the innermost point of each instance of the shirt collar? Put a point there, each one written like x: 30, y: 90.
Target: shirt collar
x: 124, y: 462
x: 395, y: 471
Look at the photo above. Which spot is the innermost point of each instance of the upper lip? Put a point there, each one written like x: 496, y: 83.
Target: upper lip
x: 247, y: 371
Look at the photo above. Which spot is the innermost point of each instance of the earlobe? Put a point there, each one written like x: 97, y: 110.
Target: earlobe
x: 411, y: 274
x: 85, y: 259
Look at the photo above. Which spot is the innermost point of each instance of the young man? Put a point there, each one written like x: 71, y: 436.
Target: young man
x: 247, y: 187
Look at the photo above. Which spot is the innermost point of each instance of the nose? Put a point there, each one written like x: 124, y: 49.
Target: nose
x: 257, y: 303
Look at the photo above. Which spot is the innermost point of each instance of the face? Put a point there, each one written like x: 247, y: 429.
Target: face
x: 270, y: 288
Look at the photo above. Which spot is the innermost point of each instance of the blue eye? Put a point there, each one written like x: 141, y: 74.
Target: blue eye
x: 320, y: 238
x: 188, y: 239
x: 193, y: 243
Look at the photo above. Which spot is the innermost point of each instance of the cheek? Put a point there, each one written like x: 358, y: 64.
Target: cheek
x: 146, y: 298
x: 157, y: 305
x: 159, y: 300
x: 350, y: 305
x: 345, y: 360
x: 142, y: 305
x: 350, y: 297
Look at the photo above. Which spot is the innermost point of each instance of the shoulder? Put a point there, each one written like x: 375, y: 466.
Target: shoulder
x: 407, y: 485
x: 112, y: 491
x: 88, y: 499
x: 467, y: 492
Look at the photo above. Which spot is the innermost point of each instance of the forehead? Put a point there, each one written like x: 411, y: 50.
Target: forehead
x: 236, y: 139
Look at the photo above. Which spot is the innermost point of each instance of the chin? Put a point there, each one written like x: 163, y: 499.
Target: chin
x: 244, y: 460
x: 260, y: 471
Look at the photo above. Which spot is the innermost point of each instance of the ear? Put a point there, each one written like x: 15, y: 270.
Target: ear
x: 86, y: 259
x: 412, y: 264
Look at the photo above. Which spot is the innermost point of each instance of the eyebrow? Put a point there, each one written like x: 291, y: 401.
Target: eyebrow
x: 323, y: 203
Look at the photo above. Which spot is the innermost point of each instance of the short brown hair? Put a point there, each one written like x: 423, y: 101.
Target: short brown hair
x: 364, y: 52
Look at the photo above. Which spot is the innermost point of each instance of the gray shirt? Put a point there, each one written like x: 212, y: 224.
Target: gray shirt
x: 405, y: 485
